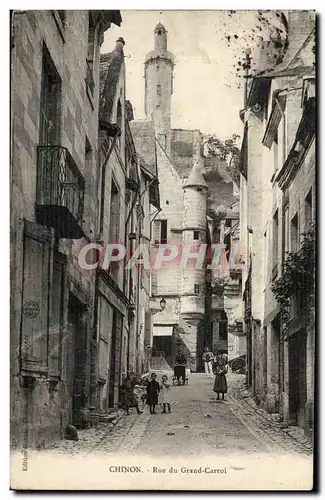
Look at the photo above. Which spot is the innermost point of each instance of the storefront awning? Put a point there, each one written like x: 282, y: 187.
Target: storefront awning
x: 163, y: 330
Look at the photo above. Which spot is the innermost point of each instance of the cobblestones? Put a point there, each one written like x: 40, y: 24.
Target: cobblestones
x: 278, y: 438
x: 196, y: 424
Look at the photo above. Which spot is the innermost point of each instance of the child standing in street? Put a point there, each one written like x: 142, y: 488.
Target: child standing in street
x: 165, y: 393
x: 153, y: 389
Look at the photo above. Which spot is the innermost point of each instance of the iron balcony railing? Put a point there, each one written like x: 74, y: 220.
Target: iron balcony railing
x: 60, y: 182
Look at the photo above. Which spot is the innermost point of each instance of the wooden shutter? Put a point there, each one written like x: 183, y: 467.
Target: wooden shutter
x: 105, y: 313
x: 156, y: 232
x: 37, y: 276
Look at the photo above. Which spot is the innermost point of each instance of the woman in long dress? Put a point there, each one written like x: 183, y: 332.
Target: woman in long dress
x: 220, y: 383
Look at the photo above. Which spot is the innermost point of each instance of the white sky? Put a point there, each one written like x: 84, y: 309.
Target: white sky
x: 205, y: 87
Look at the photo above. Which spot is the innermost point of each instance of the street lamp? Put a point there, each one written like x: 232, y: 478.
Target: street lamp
x: 162, y: 304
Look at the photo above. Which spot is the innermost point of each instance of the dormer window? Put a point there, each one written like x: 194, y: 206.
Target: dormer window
x: 159, y: 32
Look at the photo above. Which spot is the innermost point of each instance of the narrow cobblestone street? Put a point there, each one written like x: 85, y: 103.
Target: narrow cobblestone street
x: 230, y: 445
x: 196, y: 425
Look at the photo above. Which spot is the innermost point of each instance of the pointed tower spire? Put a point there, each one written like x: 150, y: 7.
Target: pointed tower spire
x: 196, y: 179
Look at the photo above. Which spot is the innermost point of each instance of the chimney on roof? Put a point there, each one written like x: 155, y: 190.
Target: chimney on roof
x: 119, y: 44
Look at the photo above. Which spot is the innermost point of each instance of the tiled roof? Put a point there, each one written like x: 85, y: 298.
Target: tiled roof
x: 110, y: 69
x: 143, y: 133
x: 215, y: 172
x: 196, y: 178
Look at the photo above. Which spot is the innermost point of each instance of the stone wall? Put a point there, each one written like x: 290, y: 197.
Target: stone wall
x: 42, y: 410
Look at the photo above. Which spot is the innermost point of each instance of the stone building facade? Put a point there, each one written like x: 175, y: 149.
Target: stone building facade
x: 277, y: 206
x: 182, y: 165
x: 54, y: 155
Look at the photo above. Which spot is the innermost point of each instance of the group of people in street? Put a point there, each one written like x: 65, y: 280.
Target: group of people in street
x: 135, y: 389
x: 216, y: 366
x: 153, y: 393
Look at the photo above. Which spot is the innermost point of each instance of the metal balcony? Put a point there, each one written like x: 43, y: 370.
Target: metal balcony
x: 60, y: 192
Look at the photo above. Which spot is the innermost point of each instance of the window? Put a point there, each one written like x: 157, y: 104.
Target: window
x: 197, y: 289
x: 275, y: 245
x: 91, y: 54
x: 196, y: 235
x: 114, y: 226
x: 308, y: 210
x: 282, y: 141
x: 160, y: 232
x: 158, y: 91
x: 104, y: 332
x: 163, y: 231
x: 294, y: 234
x: 275, y: 151
x: 159, y: 32
x: 223, y: 327
x: 285, y: 232
x: 50, y: 109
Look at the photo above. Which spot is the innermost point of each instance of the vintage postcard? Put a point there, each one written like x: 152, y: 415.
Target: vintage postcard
x: 162, y: 232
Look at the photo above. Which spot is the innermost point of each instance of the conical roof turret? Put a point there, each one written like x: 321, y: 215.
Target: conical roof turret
x: 196, y: 179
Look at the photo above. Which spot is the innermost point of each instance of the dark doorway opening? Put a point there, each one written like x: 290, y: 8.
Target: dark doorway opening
x: 164, y: 346
x: 297, y: 378
x: 115, y: 360
x: 78, y: 331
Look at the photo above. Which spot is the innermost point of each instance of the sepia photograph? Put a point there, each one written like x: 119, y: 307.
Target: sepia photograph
x: 162, y: 250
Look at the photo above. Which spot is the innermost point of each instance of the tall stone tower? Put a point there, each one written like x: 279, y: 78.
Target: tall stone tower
x: 159, y: 64
x: 194, y: 232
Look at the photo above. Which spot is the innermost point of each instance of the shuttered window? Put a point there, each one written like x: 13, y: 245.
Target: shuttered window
x: 156, y: 232
x: 105, y: 320
x: 160, y: 232
x: 37, y: 270
x: 50, y: 109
